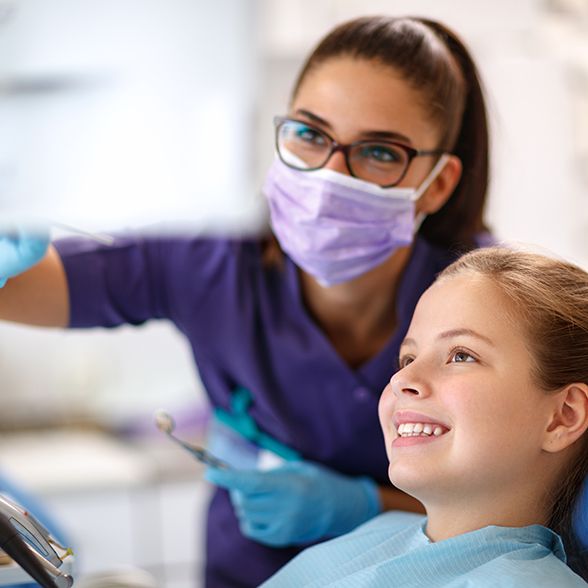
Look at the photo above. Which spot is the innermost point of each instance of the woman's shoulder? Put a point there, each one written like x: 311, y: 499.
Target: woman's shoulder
x: 192, y: 244
x: 189, y: 257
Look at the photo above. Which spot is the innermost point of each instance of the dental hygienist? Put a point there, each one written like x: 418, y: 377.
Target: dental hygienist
x: 379, y: 181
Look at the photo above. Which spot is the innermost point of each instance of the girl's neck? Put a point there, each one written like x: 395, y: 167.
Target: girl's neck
x: 444, y: 522
x: 358, y: 317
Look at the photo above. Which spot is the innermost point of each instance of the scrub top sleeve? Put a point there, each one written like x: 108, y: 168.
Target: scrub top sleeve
x: 145, y: 277
x: 111, y: 285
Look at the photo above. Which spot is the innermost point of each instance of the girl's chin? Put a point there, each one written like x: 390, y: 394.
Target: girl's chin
x: 412, y: 482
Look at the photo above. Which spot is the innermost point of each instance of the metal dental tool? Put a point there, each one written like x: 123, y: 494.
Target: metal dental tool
x: 31, y: 545
x: 165, y: 423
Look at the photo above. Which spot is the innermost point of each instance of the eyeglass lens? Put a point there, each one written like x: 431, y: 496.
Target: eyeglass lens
x: 305, y: 147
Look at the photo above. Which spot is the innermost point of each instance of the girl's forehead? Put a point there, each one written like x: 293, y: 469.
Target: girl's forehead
x: 466, y: 301
x: 465, y: 291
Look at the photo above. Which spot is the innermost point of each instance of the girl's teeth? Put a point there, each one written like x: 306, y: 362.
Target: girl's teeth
x: 419, y: 430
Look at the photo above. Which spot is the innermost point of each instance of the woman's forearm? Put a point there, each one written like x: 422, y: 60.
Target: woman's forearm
x: 394, y: 499
x: 39, y: 296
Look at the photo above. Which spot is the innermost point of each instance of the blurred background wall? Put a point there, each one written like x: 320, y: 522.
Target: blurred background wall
x: 126, y: 113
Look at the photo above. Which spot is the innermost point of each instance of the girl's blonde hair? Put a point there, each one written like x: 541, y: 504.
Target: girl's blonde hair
x: 549, y: 299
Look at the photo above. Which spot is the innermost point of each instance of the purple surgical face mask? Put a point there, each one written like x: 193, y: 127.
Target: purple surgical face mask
x: 337, y: 227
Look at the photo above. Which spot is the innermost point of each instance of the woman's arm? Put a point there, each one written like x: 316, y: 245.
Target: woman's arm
x: 39, y: 296
x: 394, y: 499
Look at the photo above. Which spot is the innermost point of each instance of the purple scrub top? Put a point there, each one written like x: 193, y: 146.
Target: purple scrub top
x: 248, y: 327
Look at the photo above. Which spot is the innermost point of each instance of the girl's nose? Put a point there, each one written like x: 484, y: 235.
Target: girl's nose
x: 406, y: 383
x: 412, y: 391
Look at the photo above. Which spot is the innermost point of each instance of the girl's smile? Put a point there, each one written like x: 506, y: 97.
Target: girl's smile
x: 413, y: 428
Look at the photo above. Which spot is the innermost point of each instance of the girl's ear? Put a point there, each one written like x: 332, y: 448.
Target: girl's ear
x: 569, y: 420
x: 441, y: 188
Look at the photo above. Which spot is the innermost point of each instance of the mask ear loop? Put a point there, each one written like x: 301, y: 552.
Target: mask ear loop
x: 421, y: 216
x: 432, y: 176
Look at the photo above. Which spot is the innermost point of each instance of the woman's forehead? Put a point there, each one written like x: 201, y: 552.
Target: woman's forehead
x: 358, y: 95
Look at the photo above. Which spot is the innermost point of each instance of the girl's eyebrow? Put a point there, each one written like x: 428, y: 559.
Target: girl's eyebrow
x: 451, y: 334
x: 407, y: 341
x: 383, y: 135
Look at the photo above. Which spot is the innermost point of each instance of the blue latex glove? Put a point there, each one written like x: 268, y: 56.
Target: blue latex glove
x: 297, y: 502
x: 20, y: 250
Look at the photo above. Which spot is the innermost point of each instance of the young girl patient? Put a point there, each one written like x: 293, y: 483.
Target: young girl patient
x: 485, y: 423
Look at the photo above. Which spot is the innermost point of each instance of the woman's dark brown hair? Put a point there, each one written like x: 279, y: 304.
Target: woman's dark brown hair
x: 549, y: 298
x: 436, y: 63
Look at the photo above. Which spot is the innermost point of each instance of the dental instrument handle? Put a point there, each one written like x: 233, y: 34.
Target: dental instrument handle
x: 201, y: 454
x: 17, y: 548
x: 101, y: 238
x: 61, y: 579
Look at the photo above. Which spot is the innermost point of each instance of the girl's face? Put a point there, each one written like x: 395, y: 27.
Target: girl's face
x: 354, y: 99
x: 465, y: 390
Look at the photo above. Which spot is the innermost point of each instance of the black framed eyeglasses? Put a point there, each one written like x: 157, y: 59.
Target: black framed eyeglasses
x: 305, y: 147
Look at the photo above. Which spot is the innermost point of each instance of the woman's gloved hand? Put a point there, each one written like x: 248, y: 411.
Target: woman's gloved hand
x: 20, y: 249
x: 297, y: 502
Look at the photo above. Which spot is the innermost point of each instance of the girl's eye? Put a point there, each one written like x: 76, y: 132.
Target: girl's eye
x: 404, y: 361
x: 461, y: 356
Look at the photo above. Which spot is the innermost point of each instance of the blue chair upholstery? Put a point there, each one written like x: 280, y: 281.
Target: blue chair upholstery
x: 581, y: 516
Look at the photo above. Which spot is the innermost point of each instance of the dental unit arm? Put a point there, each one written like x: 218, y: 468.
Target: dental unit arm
x: 32, y: 546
